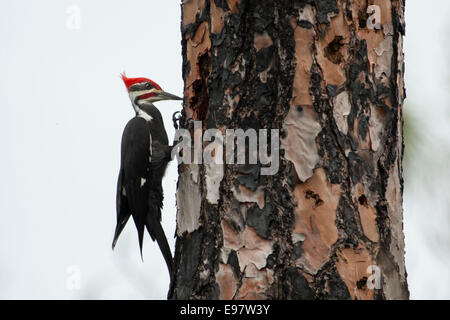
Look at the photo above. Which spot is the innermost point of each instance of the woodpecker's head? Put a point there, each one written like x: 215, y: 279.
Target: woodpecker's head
x: 143, y: 90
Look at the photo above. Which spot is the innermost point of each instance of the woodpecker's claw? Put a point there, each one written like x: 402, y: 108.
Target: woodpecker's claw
x: 176, y: 119
x: 181, y: 120
x: 189, y: 123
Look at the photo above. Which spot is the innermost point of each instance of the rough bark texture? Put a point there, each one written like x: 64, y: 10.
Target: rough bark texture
x: 335, y: 89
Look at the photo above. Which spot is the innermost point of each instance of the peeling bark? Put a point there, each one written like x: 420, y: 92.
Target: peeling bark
x: 333, y: 212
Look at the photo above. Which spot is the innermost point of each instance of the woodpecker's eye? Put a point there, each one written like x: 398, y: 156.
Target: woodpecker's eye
x: 148, y: 85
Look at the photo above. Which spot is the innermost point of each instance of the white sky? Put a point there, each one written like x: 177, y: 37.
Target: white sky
x: 427, y: 179
x: 63, y: 109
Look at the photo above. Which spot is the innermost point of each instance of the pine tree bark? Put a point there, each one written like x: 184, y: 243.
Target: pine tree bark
x: 329, y: 223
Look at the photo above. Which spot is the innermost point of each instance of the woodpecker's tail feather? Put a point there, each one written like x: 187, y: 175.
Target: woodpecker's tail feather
x: 140, y: 229
x: 137, y: 200
x: 156, y: 231
x: 119, y: 227
x: 122, y: 208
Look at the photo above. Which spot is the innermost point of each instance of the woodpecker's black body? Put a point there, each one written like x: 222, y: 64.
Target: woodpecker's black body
x: 145, y: 153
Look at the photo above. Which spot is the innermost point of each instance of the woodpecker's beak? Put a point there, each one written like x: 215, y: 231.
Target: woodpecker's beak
x: 162, y: 95
x: 154, y: 95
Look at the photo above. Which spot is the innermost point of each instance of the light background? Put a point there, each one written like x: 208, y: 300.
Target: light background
x: 63, y: 109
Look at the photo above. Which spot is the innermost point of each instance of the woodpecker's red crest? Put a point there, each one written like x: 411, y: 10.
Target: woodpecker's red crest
x: 144, y: 90
x: 130, y: 81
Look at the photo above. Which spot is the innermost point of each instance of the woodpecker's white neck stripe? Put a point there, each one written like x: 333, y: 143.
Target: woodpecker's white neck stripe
x: 139, y: 112
x: 143, y: 114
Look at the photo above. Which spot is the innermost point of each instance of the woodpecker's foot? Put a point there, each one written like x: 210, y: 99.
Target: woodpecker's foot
x: 189, y: 123
x: 176, y: 120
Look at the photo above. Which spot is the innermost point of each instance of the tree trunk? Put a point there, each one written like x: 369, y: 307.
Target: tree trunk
x: 328, y: 223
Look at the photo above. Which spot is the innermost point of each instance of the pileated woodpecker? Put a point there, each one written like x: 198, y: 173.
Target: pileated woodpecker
x: 144, y: 157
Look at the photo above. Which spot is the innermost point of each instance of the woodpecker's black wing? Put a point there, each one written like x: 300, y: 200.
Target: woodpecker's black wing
x: 122, y: 208
x: 141, y: 189
x: 135, y: 158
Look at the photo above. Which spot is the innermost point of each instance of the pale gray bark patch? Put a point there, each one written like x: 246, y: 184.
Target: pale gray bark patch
x: 243, y: 194
x: 302, y: 127
x: 341, y: 110
x: 384, y: 52
x: 213, y: 177
x: 188, y: 200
